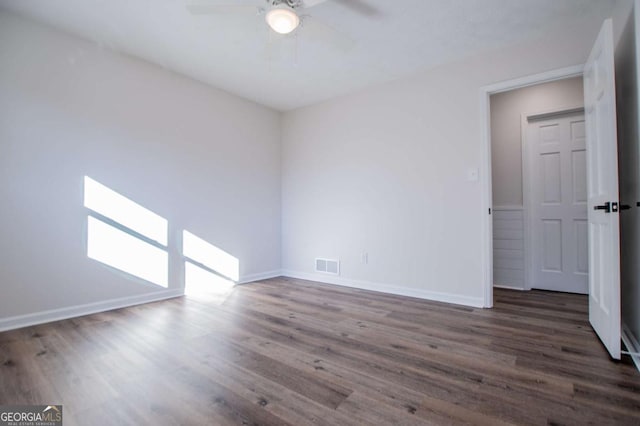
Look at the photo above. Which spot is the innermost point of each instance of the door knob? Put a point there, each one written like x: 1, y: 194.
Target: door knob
x: 606, y: 207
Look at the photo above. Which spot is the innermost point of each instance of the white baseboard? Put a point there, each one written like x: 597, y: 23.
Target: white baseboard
x: 477, y: 302
x: 20, y: 321
x: 259, y: 276
x: 508, y: 287
x: 632, y: 344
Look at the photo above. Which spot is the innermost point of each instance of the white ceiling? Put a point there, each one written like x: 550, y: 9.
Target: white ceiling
x: 237, y: 53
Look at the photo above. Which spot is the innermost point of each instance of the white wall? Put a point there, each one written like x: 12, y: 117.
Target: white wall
x: 382, y: 171
x: 385, y: 171
x: 207, y: 161
x: 506, y: 144
x: 629, y: 170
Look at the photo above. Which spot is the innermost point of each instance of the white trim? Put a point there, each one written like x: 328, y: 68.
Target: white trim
x: 631, y: 343
x: 43, y: 317
x: 527, y: 193
x: 554, y: 112
x: 532, y: 80
x: 476, y: 302
x: 259, y: 276
x: 485, y: 172
x: 508, y: 208
x: 509, y: 287
x: 487, y: 200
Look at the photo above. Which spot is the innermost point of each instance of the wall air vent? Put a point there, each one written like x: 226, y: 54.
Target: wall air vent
x: 328, y: 266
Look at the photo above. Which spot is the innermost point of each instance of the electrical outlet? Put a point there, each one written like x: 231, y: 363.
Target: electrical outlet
x: 365, y: 258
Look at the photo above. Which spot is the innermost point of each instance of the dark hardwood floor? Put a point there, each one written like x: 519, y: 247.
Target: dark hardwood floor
x: 287, y: 351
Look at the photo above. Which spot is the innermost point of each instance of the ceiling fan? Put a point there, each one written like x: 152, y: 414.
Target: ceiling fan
x: 285, y: 16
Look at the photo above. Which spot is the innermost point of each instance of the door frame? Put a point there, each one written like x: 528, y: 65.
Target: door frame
x: 527, y: 182
x: 485, y: 170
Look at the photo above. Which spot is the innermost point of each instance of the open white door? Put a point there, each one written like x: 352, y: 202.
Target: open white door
x: 602, y: 187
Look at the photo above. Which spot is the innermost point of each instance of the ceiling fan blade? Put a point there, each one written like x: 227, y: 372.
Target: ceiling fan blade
x: 310, y: 3
x: 218, y: 9
x: 359, y: 6
x: 313, y: 29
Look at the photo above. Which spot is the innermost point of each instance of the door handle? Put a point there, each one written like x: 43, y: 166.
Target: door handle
x: 606, y: 207
x: 625, y: 207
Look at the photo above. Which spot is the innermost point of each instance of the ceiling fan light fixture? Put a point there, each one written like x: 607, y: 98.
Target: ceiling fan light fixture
x: 282, y: 19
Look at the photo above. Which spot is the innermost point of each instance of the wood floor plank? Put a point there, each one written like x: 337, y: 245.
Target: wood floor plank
x: 287, y: 351
x: 314, y: 388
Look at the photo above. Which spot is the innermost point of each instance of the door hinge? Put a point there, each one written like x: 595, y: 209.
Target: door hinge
x: 490, y: 209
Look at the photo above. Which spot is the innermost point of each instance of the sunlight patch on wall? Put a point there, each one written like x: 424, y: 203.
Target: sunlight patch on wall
x: 210, y: 256
x: 199, y: 281
x: 118, y: 208
x: 127, y: 253
x: 124, y: 235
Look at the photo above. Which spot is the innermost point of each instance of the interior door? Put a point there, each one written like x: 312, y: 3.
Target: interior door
x: 558, y: 164
x: 602, y: 189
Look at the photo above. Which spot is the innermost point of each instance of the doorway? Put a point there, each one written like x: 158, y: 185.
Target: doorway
x: 486, y: 142
x: 602, y: 192
x: 539, y: 187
